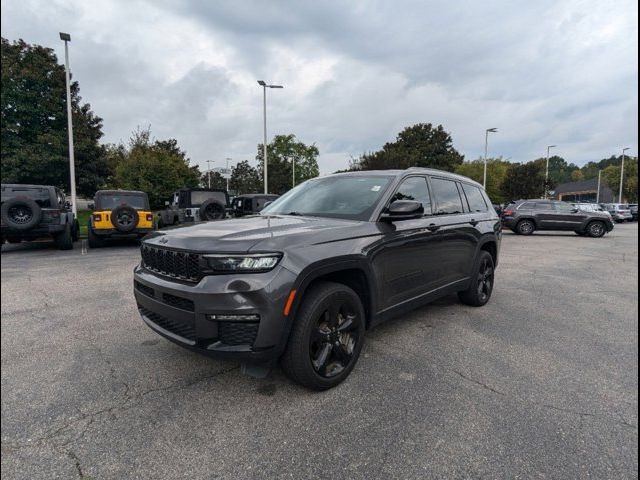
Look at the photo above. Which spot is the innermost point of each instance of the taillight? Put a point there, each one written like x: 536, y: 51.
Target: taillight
x: 149, y: 217
x: 97, y: 217
x: 508, y: 212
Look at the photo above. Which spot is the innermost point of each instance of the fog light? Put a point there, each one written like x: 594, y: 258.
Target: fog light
x: 234, y: 318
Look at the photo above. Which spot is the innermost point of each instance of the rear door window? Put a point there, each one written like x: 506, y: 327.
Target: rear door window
x: 416, y: 189
x: 543, y: 206
x: 475, y: 198
x: 446, y: 196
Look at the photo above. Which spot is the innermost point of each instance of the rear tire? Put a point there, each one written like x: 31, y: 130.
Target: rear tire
x: 64, y: 240
x: 327, y: 337
x: 94, y: 240
x: 596, y: 229
x: 525, y: 227
x: 481, y: 287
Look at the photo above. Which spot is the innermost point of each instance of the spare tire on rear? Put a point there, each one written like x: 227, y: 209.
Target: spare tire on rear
x: 211, y: 210
x: 21, y: 213
x: 124, y: 218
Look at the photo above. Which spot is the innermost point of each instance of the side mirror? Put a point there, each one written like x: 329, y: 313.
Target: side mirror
x: 575, y: 210
x: 91, y: 206
x: 402, y: 210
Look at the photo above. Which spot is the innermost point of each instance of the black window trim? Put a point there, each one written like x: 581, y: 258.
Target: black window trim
x: 399, y: 184
x: 488, y: 207
x: 455, y: 181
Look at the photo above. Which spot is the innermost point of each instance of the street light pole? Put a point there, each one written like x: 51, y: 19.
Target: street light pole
x: 546, y: 175
x: 209, y: 172
x: 486, y: 150
x: 622, y: 175
x: 599, y: 180
x: 264, y: 86
x: 228, y: 174
x: 66, y: 38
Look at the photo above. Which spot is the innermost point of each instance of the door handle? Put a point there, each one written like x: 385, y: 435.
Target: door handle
x: 474, y: 222
x: 433, y: 227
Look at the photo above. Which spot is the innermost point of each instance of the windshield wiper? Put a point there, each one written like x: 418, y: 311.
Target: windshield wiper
x: 294, y: 213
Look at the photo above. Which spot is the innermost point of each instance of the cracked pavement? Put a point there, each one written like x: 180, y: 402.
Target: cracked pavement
x: 542, y: 382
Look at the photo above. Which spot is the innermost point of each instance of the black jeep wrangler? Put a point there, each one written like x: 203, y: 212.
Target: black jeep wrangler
x: 251, y: 203
x: 195, y: 205
x: 30, y: 212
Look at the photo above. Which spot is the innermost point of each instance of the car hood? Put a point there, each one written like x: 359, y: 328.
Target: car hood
x: 254, y: 233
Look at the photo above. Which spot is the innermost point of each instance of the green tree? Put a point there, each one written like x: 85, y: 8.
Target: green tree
x: 245, y: 179
x: 156, y: 167
x: 281, y: 153
x: 33, y: 123
x: 611, y: 177
x: 496, y: 173
x: 420, y: 145
x: 217, y: 180
x: 523, y: 180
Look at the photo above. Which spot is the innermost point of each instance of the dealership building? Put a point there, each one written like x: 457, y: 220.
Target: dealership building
x: 583, y: 191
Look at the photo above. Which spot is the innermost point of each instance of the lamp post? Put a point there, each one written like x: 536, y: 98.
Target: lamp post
x: 486, y: 149
x: 599, y: 181
x: 546, y: 174
x: 228, y: 174
x: 66, y: 38
x: 264, y: 86
x: 622, y: 175
x: 209, y: 172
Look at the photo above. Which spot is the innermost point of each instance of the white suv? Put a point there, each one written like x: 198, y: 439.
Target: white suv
x: 620, y: 212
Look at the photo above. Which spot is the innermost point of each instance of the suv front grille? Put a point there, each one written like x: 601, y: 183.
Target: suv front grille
x: 172, y: 263
x: 180, y: 329
x: 237, y: 333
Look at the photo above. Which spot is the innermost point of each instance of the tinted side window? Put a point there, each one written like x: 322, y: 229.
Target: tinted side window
x: 527, y: 206
x: 446, y: 196
x: 543, y: 206
x: 475, y: 198
x: 415, y: 188
x: 563, y: 207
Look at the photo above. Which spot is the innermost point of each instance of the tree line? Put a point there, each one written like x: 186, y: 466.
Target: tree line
x: 34, y: 148
x: 425, y: 145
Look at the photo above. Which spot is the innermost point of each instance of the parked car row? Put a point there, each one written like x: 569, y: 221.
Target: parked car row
x: 31, y: 212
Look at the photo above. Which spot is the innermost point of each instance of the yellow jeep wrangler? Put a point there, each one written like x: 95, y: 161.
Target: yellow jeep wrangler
x: 119, y: 214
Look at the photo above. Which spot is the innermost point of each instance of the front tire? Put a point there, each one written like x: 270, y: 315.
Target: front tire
x: 326, y: 338
x: 596, y: 229
x: 481, y: 287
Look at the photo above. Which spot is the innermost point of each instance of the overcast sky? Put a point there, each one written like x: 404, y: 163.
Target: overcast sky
x: 355, y: 73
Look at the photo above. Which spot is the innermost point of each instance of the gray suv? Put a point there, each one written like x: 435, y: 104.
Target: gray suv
x: 526, y: 216
x: 303, y: 280
x: 30, y: 212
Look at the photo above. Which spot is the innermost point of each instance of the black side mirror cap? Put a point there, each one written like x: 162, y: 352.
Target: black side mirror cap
x: 91, y: 206
x: 402, y: 210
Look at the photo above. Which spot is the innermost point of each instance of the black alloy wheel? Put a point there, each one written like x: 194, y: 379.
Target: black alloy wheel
x: 332, y: 343
x: 326, y: 337
x: 485, y: 279
x: 481, y: 285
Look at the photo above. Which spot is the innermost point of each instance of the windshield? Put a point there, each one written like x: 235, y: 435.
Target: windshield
x: 112, y: 201
x: 350, y: 197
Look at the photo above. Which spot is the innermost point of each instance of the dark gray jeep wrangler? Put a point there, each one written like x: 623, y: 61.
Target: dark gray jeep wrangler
x: 30, y: 212
x: 190, y: 205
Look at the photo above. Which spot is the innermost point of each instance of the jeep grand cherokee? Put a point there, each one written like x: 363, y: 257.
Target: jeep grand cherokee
x: 303, y: 280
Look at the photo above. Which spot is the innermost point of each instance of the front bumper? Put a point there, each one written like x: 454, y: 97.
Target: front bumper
x: 180, y: 312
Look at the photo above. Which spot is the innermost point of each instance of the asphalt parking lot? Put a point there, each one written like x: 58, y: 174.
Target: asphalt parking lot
x: 542, y: 382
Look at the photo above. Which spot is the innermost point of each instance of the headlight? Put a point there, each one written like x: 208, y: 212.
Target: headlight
x: 258, y: 262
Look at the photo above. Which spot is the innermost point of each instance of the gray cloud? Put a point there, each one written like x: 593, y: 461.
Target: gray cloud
x: 355, y: 73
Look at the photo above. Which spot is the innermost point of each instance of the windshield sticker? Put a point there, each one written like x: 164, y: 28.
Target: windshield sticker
x: 376, y: 188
